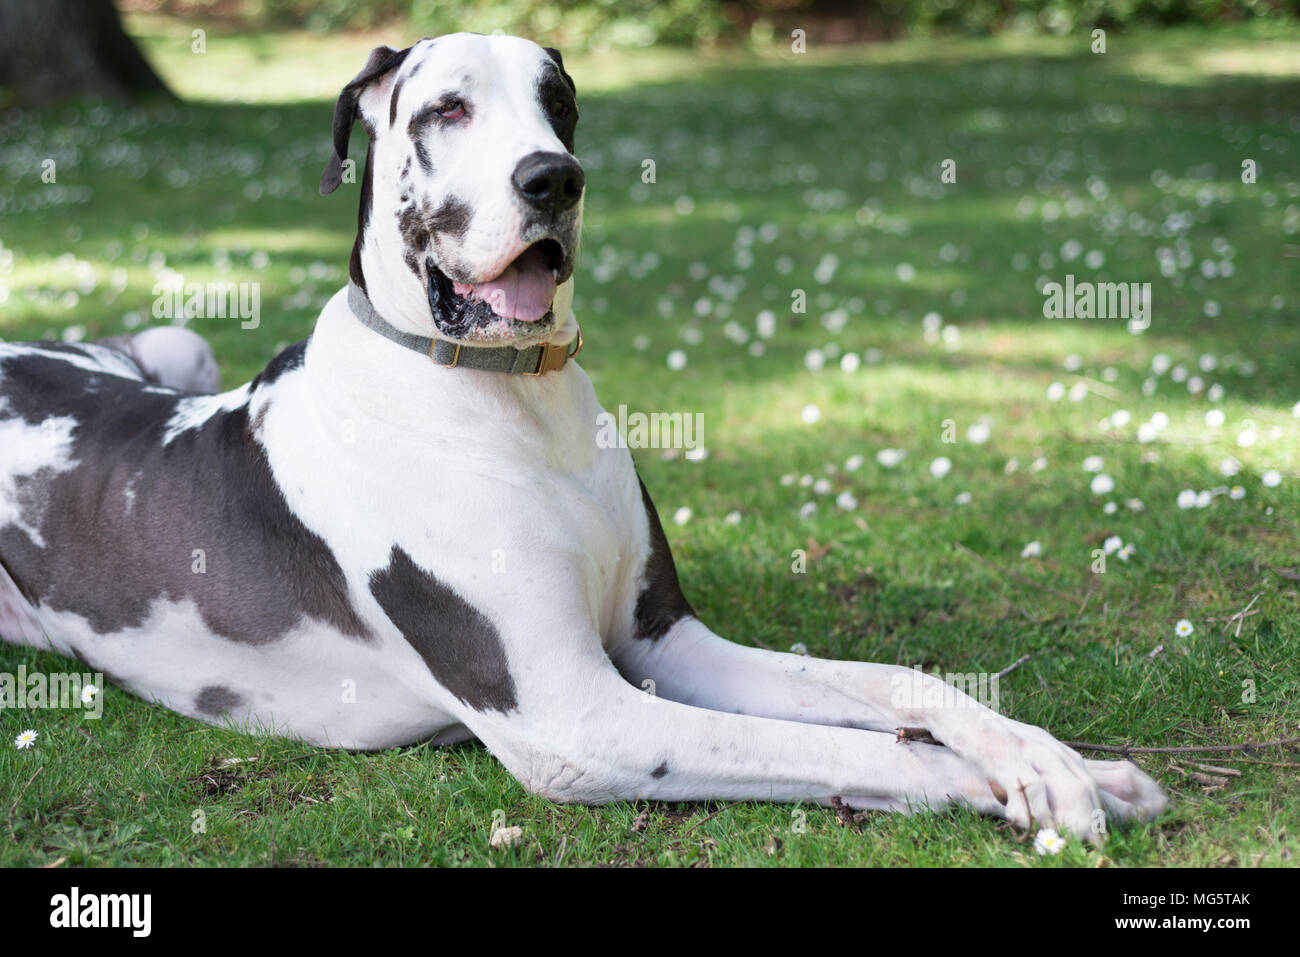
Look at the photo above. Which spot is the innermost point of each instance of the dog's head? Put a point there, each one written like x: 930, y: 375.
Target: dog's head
x: 471, y: 202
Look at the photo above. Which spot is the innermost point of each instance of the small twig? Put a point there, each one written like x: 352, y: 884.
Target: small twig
x: 1215, y: 769
x: 1197, y: 749
x: 1013, y: 666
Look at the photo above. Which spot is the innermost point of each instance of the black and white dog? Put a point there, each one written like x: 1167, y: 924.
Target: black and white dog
x: 404, y: 528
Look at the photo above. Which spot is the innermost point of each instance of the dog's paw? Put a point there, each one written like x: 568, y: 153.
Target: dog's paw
x: 1037, y: 781
x: 1129, y: 793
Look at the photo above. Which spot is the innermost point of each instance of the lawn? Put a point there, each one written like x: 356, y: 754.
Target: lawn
x: 924, y: 333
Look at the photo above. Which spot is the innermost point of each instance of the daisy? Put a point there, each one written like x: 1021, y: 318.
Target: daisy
x: 1187, y: 498
x: 1032, y: 550
x: 846, y: 501
x: 682, y: 515
x: 1093, y: 463
x: 1271, y: 479
x: 25, y: 740
x: 1184, y: 628
x: 1236, y: 493
x: 940, y: 467
x: 1102, y: 484
x: 1113, y: 544
x: 88, y: 694
x: 1048, y: 842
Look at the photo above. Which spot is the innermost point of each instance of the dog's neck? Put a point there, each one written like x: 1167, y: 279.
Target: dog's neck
x: 357, y: 376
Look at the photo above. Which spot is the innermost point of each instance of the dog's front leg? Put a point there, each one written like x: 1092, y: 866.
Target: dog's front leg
x: 594, y: 738
x: 1044, y: 781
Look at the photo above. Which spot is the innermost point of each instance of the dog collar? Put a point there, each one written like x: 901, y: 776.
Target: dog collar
x: 535, y: 360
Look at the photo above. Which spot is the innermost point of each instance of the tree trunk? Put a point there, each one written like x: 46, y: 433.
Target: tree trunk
x: 53, y: 49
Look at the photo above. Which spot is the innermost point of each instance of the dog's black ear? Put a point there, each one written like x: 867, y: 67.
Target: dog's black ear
x: 380, y: 61
x: 554, y: 54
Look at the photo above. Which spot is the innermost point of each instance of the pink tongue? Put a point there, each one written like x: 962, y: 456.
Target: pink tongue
x: 524, y: 291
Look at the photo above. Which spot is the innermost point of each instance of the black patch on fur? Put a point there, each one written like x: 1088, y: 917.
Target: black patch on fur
x: 661, y: 771
x: 216, y: 700
x: 211, y: 488
x: 288, y: 359
x: 419, y: 224
x: 392, y: 101
x: 355, y: 272
x: 557, y: 86
x: 422, y: 154
x: 460, y: 647
x: 661, y: 603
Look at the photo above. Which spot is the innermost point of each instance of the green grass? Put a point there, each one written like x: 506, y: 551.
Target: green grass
x: 836, y: 152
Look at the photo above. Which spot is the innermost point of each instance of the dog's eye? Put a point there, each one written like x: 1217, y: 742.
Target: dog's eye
x: 454, y: 110
x: 559, y: 108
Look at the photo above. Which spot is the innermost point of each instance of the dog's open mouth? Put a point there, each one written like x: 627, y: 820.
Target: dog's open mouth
x: 526, y: 288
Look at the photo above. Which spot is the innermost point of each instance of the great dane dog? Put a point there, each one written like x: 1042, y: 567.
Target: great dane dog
x: 404, y: 529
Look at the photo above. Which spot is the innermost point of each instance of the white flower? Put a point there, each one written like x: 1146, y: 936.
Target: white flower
x: 806, y: 510
x: 1110, y: 508
x: 978, y: 433
x: 1271, y: 479
x: 1102, y: 484
x: 850, y: 362
x: 1078, y: 391
x: 1093, y: 463
x: 962, y: 498
x: 1236, y: 493
x: 1055, y: 392
x: 810, y: 414
x: 1160, y: 363
x: 1215, y: 418
x: 1187, y: 498
x: 1113, y: 544
x: 1184, y: 628
x: 1120, y: 418
x: 1229, y: 467
x: 506, y: 837
x: 822, y: 486
x: 88, y: 693
x: 1031, y: 550
x: 1126, y: 553
x: 1048, y: 842
x: 1038, y: 464
x: 1203, y: 499
x: 677, y: 360
x: 788, y: 478
x: 1147, y: 433
x: 846, y: 501
x: 940, y: 467
x: 798, y: 648
x: 1135, y: 505
x: 1160, y: 420
x: 25, y: 740
x: 853, y: 464
x: 890, y: 457
x: 682, y: 515
x: 733, y: 518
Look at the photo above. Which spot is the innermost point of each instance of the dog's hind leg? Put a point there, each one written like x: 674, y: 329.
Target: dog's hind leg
x: 171, y: 356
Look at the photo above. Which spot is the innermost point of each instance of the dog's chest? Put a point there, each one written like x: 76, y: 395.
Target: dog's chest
x: 508, y: 503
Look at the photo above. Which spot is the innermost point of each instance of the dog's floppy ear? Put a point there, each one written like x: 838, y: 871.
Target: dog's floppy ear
x: 381, y: 60
x: 554, y: 54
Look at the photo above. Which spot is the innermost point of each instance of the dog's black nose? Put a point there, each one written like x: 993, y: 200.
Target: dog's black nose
x: 550, y: 182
